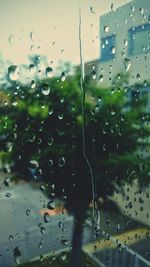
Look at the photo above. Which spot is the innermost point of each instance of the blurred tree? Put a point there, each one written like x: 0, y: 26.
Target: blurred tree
x: 45, y: 124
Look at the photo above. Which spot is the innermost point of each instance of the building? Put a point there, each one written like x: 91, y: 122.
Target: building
x: 124, y: 44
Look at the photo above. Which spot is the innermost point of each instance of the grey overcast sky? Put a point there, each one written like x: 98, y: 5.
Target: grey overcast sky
x: 50, y: 27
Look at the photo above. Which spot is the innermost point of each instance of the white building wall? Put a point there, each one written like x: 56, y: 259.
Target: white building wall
x: 118, y: 22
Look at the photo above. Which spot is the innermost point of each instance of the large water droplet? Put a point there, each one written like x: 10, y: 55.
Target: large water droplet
x: 45, y: 89
x: 7, y: 181
x: 34, y: 163
x: 50, y: 141
x: 32, y: 68
x: 101, y: 78
x: 17, y: 255
x: 113, y: 50
x: 63, y: 257
x: 127, y: 64
x: 10, y: 39
x: 13, y: 73
x: 60, y: 116
x: 46, y: 217
x: 49, y: 72
x: 106, y: 28
x: 61, y: 162
x: 50, y: 163
x: 93, y: 74
x: 27, y: 212
x: 33, y: 84
x: 8, y: 194
x: 64, y: 241
x: 51, y: 205
x: 63, y: 76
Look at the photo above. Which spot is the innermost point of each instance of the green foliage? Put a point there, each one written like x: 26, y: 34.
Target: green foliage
x: 48, y: 129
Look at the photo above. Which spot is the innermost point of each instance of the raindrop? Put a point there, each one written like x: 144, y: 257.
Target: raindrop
x: 132, y: 8
x: 50, y: 111
x: 106, y: 28
x: 49, y: 72
x: 138, y: 77
x: 113, y: 50
x: 32, y: 36
x: 141, y: 9
x: 64, y: 241
x: 34, y: 163
x: 10, y: 39
x: 63, y: 76
x: 8, y: 195
x: 33, y: 84
x: 17, y: 255
x: 50, y: 141
x: 45, y: 89
x: 101, y: 78
x: 13, y: 73
x: 93, y: 74
x: 27, y: 212
x: 7, y: 181
x: 127, y: 64
x: 125, y: 42
x: 50, y: 163
x: 61, y: 162
x: 51, y: 205
x: 113, y: 112
x: 11, y: 238
x: 63, y: 257
x: 46, y: 217
x: 32, y: 68
x: 60, y: 116
x: 112, y: 7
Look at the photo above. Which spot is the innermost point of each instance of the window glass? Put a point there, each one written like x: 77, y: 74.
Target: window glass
x: 74, y: 133
x: 139, y: 39
x: 108, y: 48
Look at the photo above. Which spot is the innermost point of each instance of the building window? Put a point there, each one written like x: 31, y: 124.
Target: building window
x: 139, y: 39
x: 108, y: 48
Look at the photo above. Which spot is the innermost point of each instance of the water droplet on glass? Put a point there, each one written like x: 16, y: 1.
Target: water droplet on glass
x: 127, y: 64
x: 101, y: 78
x: 50, y: 163
x: 64, y: 241
x: 13, y: 73
x: 141, y: 9
x: 46, y: 217
x: 60, y: 116
x: 63, y: 257
x: 33, y: 84
x: 51, y: 205
x: 63, y: 76
x: 34, y: 163
x: 113, y: 50
x: 49, y: 72
x: 8, y: 194
x: 27, y: 212
x: 32, y: 36
x: 11, y: 238
x: 61, y: 162
x: 50, y: 141
x: 17, y: 255
x: 106, y: 28
x: 32, y: 68
x: 10, y: 39
x: 45, y: 89
x: 93, y: 74
x: 138, y: 77
x: 7, y: 181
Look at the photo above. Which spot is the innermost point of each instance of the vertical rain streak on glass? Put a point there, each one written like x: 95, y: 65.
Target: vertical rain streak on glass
x: 96, y: 215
